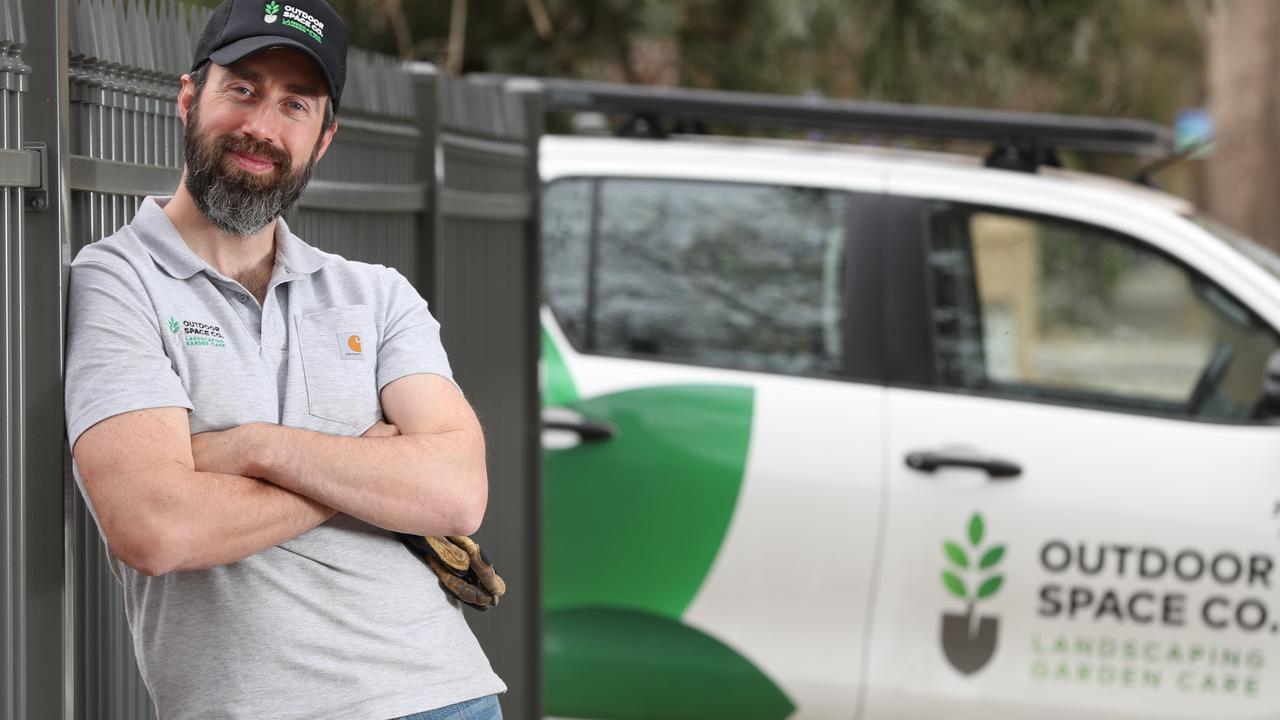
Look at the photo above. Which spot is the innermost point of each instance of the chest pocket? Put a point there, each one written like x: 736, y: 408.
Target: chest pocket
x: 339, y: 360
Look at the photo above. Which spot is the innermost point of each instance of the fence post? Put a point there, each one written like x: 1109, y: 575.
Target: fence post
x: 37, y: 254
x: 426, y: 111
x: 487, y: 300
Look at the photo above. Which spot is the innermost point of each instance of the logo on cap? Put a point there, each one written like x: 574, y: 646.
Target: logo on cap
x: 303, y: 21
x: 272, y: 9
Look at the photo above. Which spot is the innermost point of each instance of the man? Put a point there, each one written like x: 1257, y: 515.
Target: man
x: 252, y: 419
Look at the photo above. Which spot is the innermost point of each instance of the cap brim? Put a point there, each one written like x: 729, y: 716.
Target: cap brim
x: 244, y: 47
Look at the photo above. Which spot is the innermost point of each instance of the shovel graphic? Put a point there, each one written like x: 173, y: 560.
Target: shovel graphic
x: 969, y: 640
x: 969, y: 645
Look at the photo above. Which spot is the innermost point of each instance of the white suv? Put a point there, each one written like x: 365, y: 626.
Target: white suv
x: 835, y: 431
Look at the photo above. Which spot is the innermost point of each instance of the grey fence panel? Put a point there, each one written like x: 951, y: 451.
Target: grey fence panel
x: 368, y: 194
x: 125, y: 135
x: 104, y: 83
x: 31, y: 541
x: 12, y: 596
x: 13, y: 553
x: 486, y: 287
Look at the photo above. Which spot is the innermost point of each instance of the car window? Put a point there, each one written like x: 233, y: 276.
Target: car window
x: 1052, y: 309
x: 566, y: 234
x: 732, y: 275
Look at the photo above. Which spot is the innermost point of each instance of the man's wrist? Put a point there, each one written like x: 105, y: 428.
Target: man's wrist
x: 260, y: 448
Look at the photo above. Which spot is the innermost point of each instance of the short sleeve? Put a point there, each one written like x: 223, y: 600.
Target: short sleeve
x: 410, y: 342
x: 116, y: 361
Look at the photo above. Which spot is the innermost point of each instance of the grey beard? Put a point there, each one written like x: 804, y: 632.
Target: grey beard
x: 237, y: 207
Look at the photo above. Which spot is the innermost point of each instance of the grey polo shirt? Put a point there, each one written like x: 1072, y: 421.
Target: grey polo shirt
x: 341, y: 622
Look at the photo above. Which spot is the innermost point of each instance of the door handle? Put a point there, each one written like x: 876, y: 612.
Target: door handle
x: 587, y: 430
x: 995, y: 468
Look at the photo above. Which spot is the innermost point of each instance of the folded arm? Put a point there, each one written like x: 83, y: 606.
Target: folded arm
x: 159, y: 514
x: 428, y: 480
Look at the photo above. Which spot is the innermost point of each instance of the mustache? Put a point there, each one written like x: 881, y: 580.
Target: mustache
x: 251, y: 146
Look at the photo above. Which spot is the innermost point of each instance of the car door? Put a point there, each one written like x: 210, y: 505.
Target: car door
x: 712, y: 469
x: 1082, y: 497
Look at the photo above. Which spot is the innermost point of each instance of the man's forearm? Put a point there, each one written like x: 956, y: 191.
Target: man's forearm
x: 427, y: 484
x: 217, y: 519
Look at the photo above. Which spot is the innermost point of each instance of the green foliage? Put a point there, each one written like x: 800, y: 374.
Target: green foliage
x: 991, y: 557
x: 955, y: 584
x: 975, y: 530
x: 989, y: 588
x: 959, y: 557
x: 1138, y: 58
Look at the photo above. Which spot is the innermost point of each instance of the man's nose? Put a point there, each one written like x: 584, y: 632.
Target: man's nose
x: 262, y: 123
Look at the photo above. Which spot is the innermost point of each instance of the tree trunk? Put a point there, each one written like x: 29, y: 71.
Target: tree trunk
x: 1244, y: 169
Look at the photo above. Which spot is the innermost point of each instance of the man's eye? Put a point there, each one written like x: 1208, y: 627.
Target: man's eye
x: 241, y: 90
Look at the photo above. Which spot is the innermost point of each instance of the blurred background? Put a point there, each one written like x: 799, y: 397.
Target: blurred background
x: 1192, y: 64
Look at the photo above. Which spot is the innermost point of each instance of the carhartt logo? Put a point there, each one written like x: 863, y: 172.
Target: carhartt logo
x: 197, y: 334
x: 272, y: 9
x: 349, y: 345
x: 969, y: 641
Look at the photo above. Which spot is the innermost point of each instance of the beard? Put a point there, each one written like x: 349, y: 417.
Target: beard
x: 235, y: 200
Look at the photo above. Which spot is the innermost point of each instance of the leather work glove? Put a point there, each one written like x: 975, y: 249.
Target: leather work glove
x: 461, y: 566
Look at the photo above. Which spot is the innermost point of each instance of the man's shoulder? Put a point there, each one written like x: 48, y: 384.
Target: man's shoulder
x: 119, y: 249
x: 369, y: 276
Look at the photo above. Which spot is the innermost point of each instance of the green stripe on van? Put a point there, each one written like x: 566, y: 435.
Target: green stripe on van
x: 628, y: 665
x: 558, y: 387
x: 636, y: 521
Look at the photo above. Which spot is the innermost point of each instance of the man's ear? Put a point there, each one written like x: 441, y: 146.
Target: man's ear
x: 326, y: 139
x: 186, y: 96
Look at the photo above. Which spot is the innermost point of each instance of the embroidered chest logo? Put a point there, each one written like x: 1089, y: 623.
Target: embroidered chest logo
x: 197, y: 334
x: 349, y: 346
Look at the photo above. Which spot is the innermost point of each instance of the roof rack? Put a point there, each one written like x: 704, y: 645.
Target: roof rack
x: 1022, y: 140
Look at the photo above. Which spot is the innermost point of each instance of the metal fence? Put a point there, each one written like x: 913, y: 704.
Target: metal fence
x: 103, y: 77
x: 487, y: 271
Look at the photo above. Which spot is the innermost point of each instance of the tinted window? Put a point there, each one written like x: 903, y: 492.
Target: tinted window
x: 1055, y: 309
x: 732, y: 275
x: 566, y: 234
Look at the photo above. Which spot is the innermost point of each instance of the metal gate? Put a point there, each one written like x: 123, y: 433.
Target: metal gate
x: 88, y: 128
x: 488, y: 274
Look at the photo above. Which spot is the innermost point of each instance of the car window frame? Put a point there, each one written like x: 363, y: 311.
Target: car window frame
x: 860, y: 273
x: 924, y: 209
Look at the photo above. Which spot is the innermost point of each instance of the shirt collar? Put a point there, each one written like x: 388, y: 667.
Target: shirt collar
x: 295, y: 255
x: 169, y: 250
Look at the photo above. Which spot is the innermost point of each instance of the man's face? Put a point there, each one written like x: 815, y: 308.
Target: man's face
x: 253, y: 137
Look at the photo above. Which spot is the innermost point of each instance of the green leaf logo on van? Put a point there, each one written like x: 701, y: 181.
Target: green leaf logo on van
x: 969, y: 640
x: 960, y: 560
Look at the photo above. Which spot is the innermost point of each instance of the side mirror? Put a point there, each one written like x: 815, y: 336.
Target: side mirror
x: 1269, y: 404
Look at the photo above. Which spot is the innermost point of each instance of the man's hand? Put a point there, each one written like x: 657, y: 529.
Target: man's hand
x: 382, y: 429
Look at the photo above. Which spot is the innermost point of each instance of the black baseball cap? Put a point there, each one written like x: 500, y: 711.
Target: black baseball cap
x: 240, y: 28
